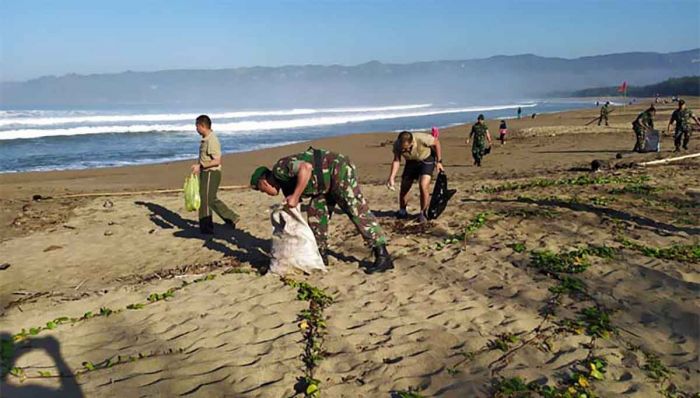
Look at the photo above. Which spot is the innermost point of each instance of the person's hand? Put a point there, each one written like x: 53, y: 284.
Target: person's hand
x: 390, y: 184
x: 291, y: 201
x: 195, y: 168
x: 440, y: 167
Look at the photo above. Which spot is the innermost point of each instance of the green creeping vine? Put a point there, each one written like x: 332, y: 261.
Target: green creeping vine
x: 503, y: 342
x: 576, y: 384
x: 312, y: 324
x: 474, y: 225
x: 576, y: 181
x: 684, y: 253
x: 8, y: 345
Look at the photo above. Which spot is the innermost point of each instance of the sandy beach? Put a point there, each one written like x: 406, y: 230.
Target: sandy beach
x: 537, y: 269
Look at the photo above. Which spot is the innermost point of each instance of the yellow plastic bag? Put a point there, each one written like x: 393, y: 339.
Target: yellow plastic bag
x: 192, y: 200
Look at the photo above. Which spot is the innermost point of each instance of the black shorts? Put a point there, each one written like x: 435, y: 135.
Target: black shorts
x: 414, y: 169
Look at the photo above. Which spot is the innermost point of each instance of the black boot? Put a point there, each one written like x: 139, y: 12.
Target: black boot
x: 206, y: 225
x: 231, y: 224
x: 382, y: 260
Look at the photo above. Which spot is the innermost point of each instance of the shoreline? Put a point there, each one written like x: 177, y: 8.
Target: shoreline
x: 169, y: 175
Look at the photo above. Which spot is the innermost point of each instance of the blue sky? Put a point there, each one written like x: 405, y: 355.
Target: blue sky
x: 57, y: 37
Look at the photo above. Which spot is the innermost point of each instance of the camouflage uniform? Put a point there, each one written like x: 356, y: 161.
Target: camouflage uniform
x: 682, y: 118
x: 339, y: 186
x: 479, y: 144
x: 643, y: 122
x: 604, y: 111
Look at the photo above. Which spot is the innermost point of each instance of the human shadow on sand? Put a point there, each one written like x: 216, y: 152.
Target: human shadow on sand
x: 251, y: 249
x: 600, y: 211
x: 68, y: 388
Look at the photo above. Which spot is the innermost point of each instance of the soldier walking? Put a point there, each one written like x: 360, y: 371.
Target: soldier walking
x: 604, y: 112
x: 681, y: 117
x: 480, y: 134
x: 328, y: 179
x: 209, y: 169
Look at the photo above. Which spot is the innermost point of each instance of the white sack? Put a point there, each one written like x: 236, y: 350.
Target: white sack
x: 293, y: 243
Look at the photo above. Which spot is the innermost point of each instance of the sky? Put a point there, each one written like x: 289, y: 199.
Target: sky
x: 39, y: 38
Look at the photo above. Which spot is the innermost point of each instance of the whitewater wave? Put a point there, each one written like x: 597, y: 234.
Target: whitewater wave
x: 248, y: 126
x: 16, y: 120
x: 91, y: 164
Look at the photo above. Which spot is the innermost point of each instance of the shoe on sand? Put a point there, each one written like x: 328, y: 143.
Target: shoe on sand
x: 402, y: 214
x: 422, y: 218
x: 382, y: 261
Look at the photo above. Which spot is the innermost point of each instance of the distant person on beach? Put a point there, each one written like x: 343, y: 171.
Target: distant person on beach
x: 604, y: 112
x: 480, y: 134
x: 520, y: 111
x: 502, y: 132
x: 209, y: 170
x: 422, y: 152
x: 642, y: 124
x: 681, y: 117
x: 328, y: 179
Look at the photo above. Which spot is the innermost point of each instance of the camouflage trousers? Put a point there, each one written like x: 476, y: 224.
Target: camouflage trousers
x: 478, y: 152
x: 640, y: 135
x: 344, y: 192
x: 681, y: 136
x: 603, y: 118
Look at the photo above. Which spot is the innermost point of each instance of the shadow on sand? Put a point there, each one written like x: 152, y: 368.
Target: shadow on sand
x: 250, y: 249
x: 69, y: 388
x: 600, y: 211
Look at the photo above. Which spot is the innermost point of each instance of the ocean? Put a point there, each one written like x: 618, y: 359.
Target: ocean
x: 41, y: 140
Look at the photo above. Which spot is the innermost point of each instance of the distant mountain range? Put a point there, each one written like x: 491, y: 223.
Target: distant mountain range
x: 475, y: 80
x: 688, y: 86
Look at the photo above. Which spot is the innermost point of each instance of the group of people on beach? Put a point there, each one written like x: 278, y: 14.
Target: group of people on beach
x: 643, y: 124
x: 329, y: 179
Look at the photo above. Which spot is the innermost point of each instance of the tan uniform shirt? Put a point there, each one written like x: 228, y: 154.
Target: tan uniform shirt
x: 420, y: 148
x: 209, y: 148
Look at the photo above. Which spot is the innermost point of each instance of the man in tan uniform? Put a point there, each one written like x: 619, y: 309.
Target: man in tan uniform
x: 209, y: 169
x: 421, y: 152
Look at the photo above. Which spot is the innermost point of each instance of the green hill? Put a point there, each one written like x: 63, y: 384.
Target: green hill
x: 686, y: 86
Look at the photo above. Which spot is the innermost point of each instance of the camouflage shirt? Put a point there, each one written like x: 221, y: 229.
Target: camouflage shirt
x: 604, y: 110
x: 286, y: 169
x: 682, y: 118
x: 479, y: 134
x: 644, y: 119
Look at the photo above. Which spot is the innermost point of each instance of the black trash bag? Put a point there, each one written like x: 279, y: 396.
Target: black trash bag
x: 441, y: 195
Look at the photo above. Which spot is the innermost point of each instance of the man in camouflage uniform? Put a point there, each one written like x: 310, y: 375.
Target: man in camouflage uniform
x: 604, y: 112
x: 643, y: 123
x: 329, y: 179
x: 480, y: 133
x: 682, y: 117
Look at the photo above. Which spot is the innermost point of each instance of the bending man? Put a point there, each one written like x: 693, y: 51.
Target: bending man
x: 328, y: 179
x: 642, y: 124
x: 421, y: 152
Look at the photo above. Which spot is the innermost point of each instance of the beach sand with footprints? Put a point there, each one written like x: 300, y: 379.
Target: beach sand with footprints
x: 538, y: 271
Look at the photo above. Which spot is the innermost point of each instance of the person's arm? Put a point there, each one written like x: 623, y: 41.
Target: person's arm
x: 303, y: 176
x: 471, y: 134
x: 438, y: 154
x: 216, y: 161
x: 395, y: 164
x: 670, y: 122
x: 488, y: 137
